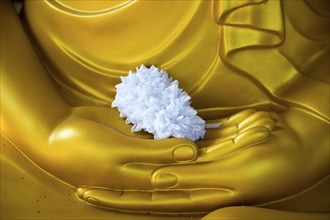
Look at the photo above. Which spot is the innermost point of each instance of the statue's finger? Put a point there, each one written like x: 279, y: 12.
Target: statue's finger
x: 244, y: 139
x: 200, y: 174
x: 265, y: 122
x: 240, y: 116
x: 165, y: 151
x: 159, y: 201
x: 222, y: 132
x: 252, y: 118
x: 252, y: 136
x: 232, y: 120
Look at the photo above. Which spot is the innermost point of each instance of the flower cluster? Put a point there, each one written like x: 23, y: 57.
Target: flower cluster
x: 153, y: 102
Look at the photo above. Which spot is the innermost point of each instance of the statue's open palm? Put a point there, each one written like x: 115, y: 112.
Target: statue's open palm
x: 94, y: 147
x: 253, y: 158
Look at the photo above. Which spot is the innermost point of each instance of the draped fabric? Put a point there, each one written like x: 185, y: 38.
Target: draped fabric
x: 88, y: 52
x: 283, y: 46
x: 226, y: 54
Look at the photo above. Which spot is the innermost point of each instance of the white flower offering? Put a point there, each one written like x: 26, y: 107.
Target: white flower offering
x: 153, y: 102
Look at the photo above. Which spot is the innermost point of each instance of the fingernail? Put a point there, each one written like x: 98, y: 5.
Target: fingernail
x: 80, y: 192
x: 269, y: 124
x: 184, y: 153
x: 165, y: 180
x: 92, y: 200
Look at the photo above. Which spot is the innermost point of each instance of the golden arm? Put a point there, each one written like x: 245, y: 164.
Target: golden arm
x: 30, y: 105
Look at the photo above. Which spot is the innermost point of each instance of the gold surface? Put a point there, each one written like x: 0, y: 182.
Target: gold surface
x: 259, y: 67
x: 29, y: 193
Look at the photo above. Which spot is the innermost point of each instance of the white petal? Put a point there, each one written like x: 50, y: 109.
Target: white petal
x: 152, y: 101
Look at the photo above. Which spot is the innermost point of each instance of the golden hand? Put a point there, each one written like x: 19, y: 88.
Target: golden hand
x: 88, y: 149
x: 258, y: 158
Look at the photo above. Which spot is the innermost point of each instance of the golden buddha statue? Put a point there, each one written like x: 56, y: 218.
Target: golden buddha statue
x: 259, y: 67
